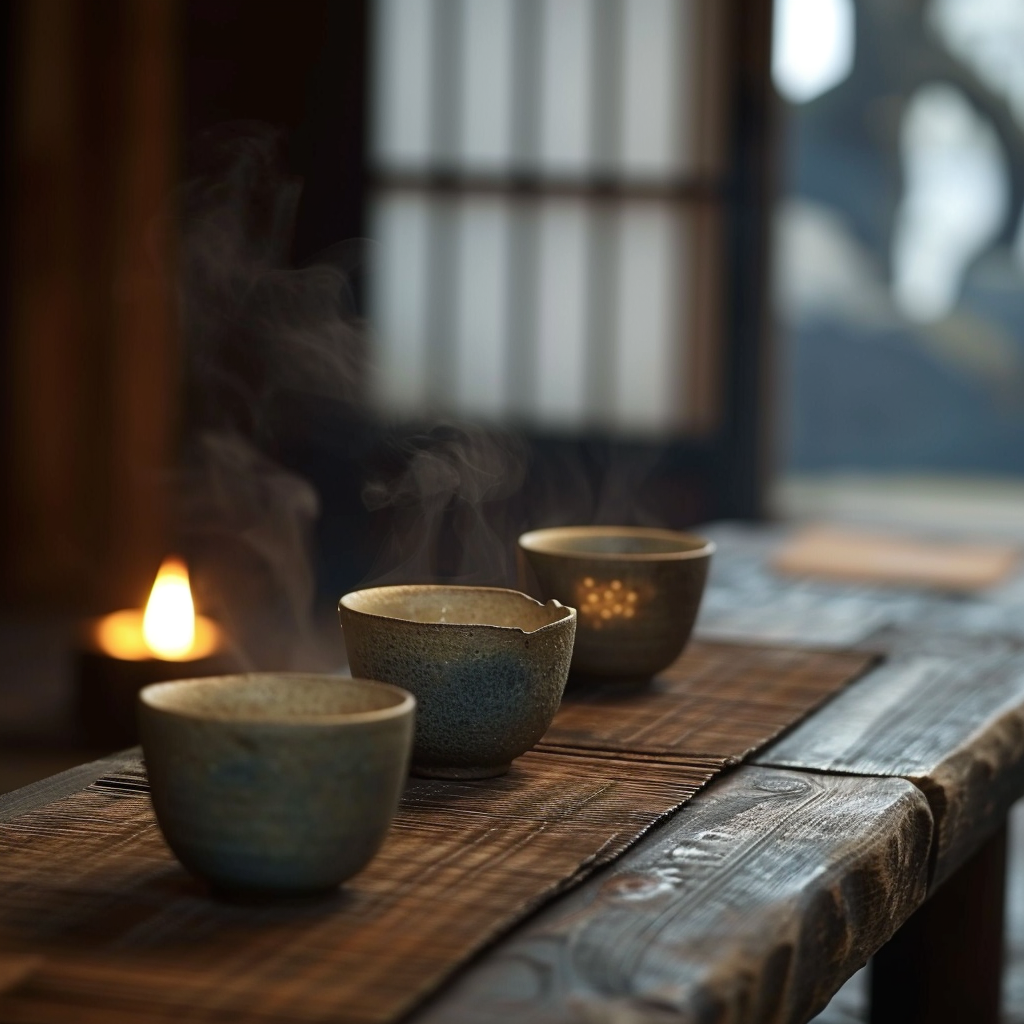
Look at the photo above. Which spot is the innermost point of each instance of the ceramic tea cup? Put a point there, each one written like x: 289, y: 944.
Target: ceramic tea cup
x: 281, y: 783
x: 636, y: 590
x: 487, y: 667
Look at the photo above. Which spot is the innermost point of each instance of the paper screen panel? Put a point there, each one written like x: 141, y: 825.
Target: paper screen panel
x: 567, y: 28
x: 652, y: 301
x: 577, y: 312
x: 399, y: 301
x: 560, y: 384
x: 487, y: 86
x: 652, y: 109
x: 402, y: 83
x: 481, y: 329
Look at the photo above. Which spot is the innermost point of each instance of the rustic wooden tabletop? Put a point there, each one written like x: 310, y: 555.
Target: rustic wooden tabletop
x: 874, y: 828
x: 881, y: 815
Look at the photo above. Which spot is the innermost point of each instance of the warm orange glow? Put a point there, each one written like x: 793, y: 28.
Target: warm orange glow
x: 169, y: 629
x: 604, y: 602
x: 169, y: 625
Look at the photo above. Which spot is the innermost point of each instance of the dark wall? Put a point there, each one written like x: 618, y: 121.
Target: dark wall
x: 301, y: 67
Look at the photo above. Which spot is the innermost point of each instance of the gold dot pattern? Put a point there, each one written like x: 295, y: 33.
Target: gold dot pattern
x: 602, y: 602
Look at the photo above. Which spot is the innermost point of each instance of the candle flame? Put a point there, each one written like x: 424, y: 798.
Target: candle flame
x: 169, y: 624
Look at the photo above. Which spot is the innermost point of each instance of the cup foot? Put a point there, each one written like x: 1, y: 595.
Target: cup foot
x: 491, y: 771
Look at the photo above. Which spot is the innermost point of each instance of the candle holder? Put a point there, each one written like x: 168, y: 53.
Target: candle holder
x: 637, y: 591
x: 122, y: 652
x: 108, y: 685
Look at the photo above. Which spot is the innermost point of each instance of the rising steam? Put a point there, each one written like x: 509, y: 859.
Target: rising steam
x: 261, y: 335
x: 256, y: 329
x: 448, y: 498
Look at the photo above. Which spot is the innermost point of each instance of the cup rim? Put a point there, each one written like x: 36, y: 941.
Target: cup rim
x: 404, y: 705
x: 343, y: 603
x: 540, y: 541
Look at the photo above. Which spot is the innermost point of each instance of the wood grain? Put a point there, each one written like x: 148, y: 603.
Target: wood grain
x: 126, y: 935
x: 947, y: 709
x: 752, y: 905
x: 954, y: 726
x: 62, y: 785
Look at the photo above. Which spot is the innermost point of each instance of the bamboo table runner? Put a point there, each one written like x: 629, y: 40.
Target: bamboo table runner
x: 719, y: 700
x: 103, y: 925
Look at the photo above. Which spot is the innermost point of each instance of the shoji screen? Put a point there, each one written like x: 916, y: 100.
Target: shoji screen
x: 547, y: 191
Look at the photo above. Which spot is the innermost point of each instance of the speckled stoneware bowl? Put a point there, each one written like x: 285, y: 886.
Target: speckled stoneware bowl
x: 275, y: 782
x: 487, y: 667
x: 636, y: 590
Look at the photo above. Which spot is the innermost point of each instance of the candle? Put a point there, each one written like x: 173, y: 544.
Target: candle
x: 168, y: 629
x: 128, y: 649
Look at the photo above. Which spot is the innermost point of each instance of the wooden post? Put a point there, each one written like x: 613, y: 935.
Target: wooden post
x: 89, y: 378
x: 945, y: 963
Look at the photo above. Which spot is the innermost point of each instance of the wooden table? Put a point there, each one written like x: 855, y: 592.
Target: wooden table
x: 877, y: 827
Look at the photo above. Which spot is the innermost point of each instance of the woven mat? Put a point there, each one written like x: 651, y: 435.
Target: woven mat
x: 856, y: 556
x: 718, y: 700
x: 98, y: 923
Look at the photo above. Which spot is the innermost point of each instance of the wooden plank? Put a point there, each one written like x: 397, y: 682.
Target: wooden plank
x: 945, y: 713
x: 754, y: 903
x: 849, y: 554
x: 64, y: 784
x: 747, y: 600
